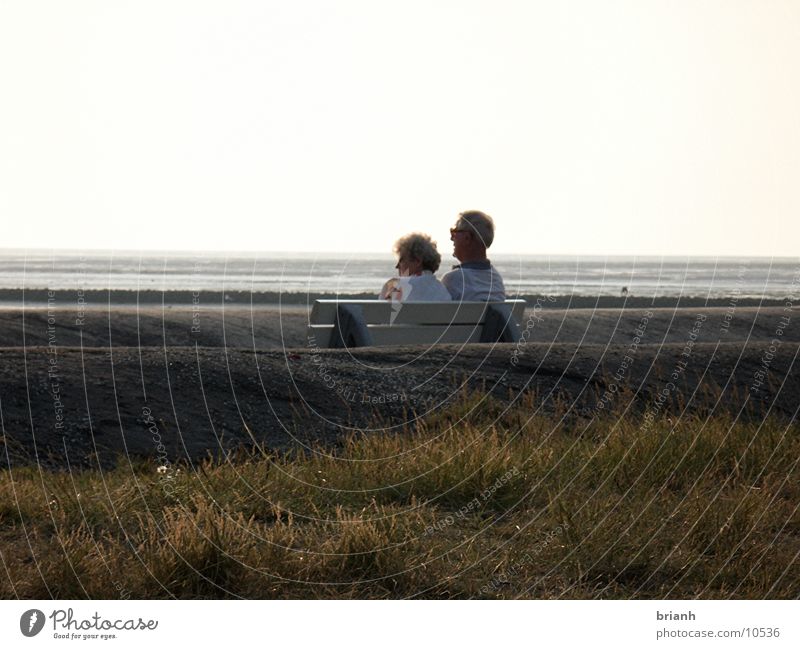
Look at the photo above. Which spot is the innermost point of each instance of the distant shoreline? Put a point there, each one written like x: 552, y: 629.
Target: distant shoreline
x: 16, y: 298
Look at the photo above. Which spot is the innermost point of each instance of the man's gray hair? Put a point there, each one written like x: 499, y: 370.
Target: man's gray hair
x: 419, y: 246
x: 480, y: 223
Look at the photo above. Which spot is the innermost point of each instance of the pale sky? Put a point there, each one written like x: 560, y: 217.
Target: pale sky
x: 584, y: 127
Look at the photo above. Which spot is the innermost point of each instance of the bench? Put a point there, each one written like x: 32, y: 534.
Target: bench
x: 362, y: 323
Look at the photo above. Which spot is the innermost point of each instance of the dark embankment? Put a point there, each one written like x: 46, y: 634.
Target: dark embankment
x: 199, y: 400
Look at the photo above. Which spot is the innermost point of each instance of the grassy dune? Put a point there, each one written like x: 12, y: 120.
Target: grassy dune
x: 476, y: 501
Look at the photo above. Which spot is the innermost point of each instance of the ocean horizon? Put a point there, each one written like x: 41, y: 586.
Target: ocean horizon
x: 350, y: 273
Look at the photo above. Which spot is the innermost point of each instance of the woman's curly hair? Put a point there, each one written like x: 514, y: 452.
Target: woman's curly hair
x: 419, y: 246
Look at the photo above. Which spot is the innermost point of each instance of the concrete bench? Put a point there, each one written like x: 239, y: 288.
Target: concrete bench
x: 362, y: 323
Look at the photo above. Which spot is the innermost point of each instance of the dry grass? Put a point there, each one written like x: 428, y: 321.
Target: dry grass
x: 475, y: 502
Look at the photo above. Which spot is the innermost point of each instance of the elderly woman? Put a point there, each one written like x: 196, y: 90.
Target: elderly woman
x: 417, y: 261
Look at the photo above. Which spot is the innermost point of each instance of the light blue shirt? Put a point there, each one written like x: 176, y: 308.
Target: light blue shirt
x: 475, y: 281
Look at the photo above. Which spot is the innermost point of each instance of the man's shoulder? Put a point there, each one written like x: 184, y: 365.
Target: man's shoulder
x: 496, y: 272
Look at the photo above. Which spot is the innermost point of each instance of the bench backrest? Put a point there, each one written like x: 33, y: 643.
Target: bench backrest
x: 354, y: 323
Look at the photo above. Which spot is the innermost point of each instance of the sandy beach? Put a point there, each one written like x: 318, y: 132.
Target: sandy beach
x: 183, y: 381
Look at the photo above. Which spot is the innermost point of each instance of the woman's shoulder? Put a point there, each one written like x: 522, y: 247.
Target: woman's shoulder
x: 428, y: 288
x: 427, y: 277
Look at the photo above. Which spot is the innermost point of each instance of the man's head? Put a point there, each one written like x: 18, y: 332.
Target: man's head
x: 472, y: 234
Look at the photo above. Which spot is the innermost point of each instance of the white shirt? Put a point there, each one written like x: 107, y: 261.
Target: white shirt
x: 475, y: 281
x: 416, y: 288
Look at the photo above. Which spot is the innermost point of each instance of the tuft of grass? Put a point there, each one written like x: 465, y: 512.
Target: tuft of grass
x: 478, y: 500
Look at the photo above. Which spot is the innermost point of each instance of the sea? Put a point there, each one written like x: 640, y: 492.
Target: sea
x: 284, y: 272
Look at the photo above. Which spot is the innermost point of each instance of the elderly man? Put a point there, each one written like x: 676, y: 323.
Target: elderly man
x: 474, y: 279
